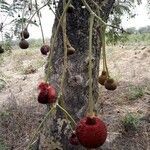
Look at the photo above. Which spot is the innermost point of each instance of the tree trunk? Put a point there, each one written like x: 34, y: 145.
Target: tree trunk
x: 75, y: 95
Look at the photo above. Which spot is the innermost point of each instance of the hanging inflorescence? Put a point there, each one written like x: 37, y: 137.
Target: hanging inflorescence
x: 90, y: 131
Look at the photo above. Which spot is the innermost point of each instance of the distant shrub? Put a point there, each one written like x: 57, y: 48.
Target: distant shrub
x: 130, y: 122
x: 2, y: 145
x: 135, y: 92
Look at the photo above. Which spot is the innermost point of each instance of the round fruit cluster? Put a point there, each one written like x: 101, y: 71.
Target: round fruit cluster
x: 47, y: 94
x: 91, y: 132
x: 108, y: 82
x: 23, y: 44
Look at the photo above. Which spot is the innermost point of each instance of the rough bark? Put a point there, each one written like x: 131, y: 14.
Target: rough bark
x: 76, y: 81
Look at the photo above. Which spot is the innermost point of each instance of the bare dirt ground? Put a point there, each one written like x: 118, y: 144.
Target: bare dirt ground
x: 20, y: 113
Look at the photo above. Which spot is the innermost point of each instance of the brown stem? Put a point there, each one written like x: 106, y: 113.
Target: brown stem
x: 22, y: 22
x: 91, y: 102
x: 40, y: 126
x: 103, y: 30
x: 53, y: 40
x: 36, y: 12
x: 98, y: 17
x: 67, y: 40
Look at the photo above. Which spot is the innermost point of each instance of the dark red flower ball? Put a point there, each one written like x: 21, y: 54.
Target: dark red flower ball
x: 45, y: 49
x: 73, y: 139
x: 47, y: 94
x: 51, y: 94
x: 23, y: 44
x: 43, y: 86
x: 110, y: 84
x: 91, y: 132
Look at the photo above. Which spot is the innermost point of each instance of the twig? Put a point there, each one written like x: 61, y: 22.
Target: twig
x: 97, y: 6
x: 22, y: 21
x: 66, y: 113
x: 39, y: 127
x: 53, y: 40
x: 38, y: 11
x: 103, y: 30
x: 65, y: 54
x: 99, y: 18
x: 67, y: 40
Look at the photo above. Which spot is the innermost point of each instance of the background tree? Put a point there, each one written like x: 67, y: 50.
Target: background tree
x: 15, y: 16
x: 120, y: 8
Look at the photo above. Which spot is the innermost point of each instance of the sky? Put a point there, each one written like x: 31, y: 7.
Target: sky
x: 141, y: 19
x: 47, y: 24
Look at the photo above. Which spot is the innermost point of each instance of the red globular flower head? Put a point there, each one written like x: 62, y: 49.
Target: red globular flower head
x: 43, y: 86
x: 45, y: 49
x: 52, y: 94
x: 43, y: 97
x: 91, y: 132
x: 47, y: 93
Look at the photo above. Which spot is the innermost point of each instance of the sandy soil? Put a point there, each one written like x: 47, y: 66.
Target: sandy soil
x: 20, y: 113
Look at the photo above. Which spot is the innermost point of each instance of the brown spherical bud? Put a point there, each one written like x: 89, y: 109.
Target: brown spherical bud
x: 25, y: 34
x: 30, y: 6
x: 70, y: 50
x: 1, y: 49
x: 45, y: 49
x: 102, y: 78
x: 110, y: 84
x: 70, y: 8
x: 23, y: 44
